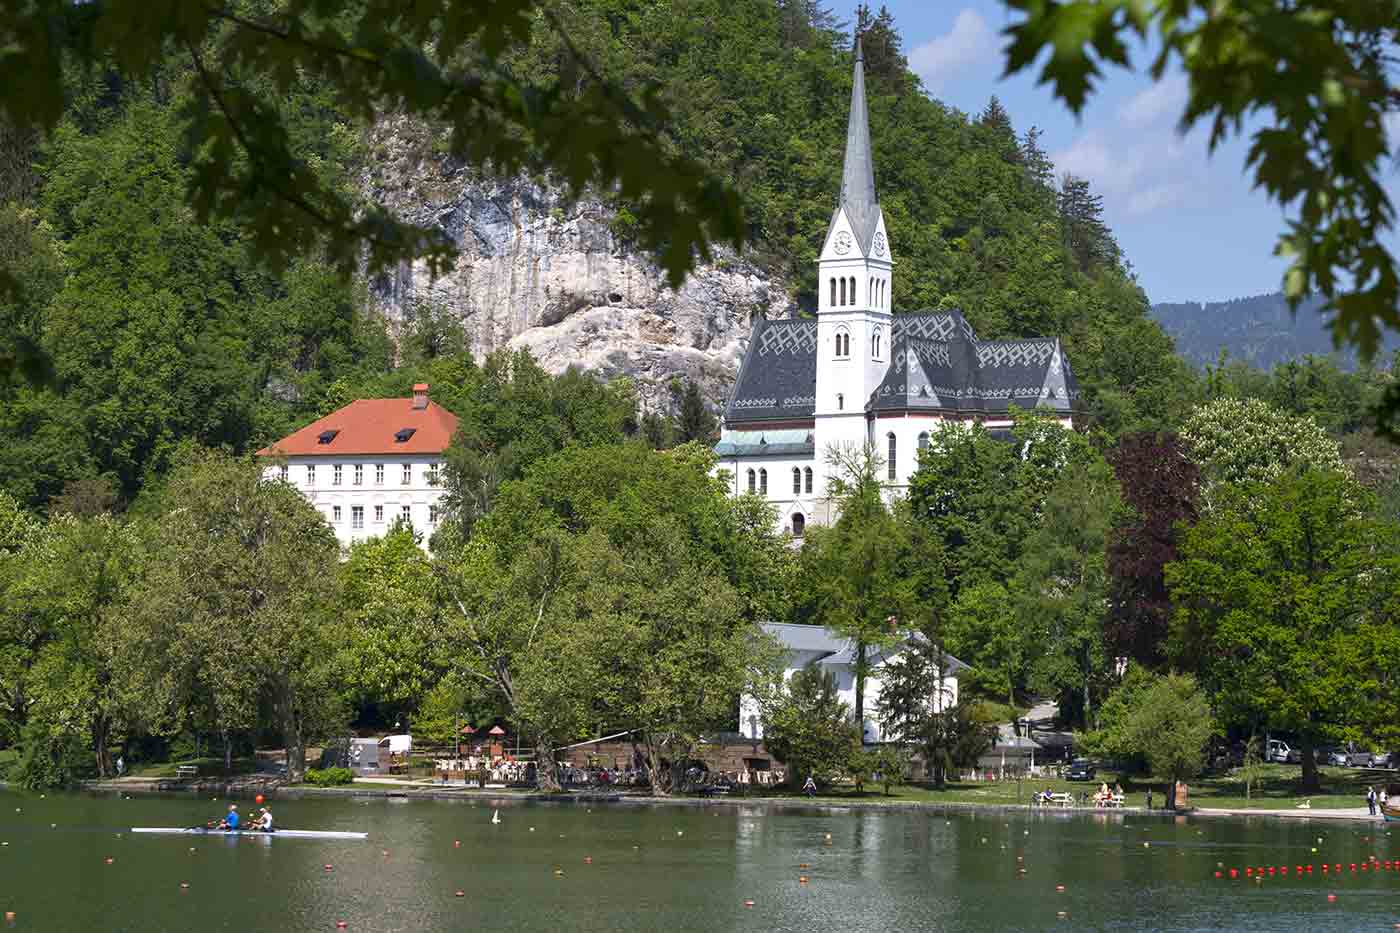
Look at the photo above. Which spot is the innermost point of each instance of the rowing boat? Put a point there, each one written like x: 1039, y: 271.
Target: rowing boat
x: 282, y: 833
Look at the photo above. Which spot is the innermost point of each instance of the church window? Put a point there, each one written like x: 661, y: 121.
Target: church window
x: 875, y: 345
x: 807, y: 478
x: 843, y: 291
x: 923, y: 440
x: 840, y: 402
x: 753, y: 480
x: 763, y: 482
x: 796, y: 481
x: 853, y: 289
x: 833, y: 292
x: 892, y: 459
x: 799, y: 524
x: 843, y: 343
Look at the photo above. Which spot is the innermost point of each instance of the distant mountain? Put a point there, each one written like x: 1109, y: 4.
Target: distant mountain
x: 1261, y: 331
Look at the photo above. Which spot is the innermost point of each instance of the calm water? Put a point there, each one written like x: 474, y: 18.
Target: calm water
x: 674, y: 869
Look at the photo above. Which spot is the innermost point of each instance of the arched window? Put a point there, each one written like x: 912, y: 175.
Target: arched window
x: 753, y: 481
x: 843, y: 343
x: 923, y: 440
x: 843, y: 291
x: 807, y: 478
x: 763, y: 482
x: 875, y: 345
x: 796, y: 481
x: 853, y: 289
x: 799, y: 524
x: 892, y: 466
x: 840, y: 402
x: 833, y: 292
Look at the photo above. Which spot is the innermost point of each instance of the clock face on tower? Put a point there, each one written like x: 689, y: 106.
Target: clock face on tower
x: 879, y: 244
x: 843, y: 243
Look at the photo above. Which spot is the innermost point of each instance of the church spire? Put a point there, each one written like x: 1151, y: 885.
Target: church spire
x: 858, y: 177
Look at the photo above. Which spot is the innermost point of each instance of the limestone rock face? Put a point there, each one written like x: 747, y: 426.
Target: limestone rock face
x: 540, y: 271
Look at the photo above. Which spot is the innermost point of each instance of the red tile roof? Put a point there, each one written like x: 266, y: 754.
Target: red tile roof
x: 368, y: 426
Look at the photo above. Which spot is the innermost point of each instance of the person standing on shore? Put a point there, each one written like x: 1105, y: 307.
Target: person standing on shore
x: 809, y: 787
x: 1149, y: 798
x: 1371, y: 800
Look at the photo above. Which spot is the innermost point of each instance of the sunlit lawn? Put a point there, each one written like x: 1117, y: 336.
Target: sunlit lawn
x: 1277, y: 789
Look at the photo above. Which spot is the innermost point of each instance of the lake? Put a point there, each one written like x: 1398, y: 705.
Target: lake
x: 677, y: 869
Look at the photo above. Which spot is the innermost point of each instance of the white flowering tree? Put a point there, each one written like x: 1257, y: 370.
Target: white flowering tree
x: 1247, y: 441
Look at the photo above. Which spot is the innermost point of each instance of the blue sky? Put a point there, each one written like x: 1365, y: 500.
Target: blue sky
x: 1188, y: 220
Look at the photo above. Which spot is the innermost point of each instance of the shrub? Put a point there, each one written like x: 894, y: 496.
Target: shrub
x: 329, y: 777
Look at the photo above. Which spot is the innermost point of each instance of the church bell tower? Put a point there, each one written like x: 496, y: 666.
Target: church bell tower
x: 853, y: 302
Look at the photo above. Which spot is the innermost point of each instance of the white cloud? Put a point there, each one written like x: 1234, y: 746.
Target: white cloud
x: 1139, y: 173
x: 1113, y: 169
x: 969, y: 42
x: 1156, y: 197
x: 1153, y: 102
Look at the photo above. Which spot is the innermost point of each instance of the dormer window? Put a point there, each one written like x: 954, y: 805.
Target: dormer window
x: 402, y: 435
x: 325, y: 437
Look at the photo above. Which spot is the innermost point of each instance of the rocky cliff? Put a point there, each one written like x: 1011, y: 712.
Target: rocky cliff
x: 538, y: 270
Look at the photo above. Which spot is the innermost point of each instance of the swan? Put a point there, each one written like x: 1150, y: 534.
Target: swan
x: 1306, y: 804
x: 496, y: 817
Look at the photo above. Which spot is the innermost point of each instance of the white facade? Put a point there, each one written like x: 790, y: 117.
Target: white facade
x: 810, y: 645
x: 361, y: 496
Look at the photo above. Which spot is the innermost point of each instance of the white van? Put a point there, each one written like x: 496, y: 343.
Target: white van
x: 1279, y: 751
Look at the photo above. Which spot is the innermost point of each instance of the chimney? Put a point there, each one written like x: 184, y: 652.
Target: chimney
x: 420, y: 396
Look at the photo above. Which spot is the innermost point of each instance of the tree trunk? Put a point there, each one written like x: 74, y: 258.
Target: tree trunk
x: 99, y: 745
x: 228, y: 753
x: 1310, y: 781
x: 660, y: 783
x: 860, y: 689
x: 546, y: 775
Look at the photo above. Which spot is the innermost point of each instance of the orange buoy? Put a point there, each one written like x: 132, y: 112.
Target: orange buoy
x: 1060, y: 888
x: 456, y: 843
x: 9, y: 916
x: 327, y: 866
x: 1062, y: 914
x: 801, y: 879
x: 109, y: 860
x: 341, y: 924
x: 459, y: 893
x: 1235, y: 872
x: 385, y: 853
x: 258, y: 799
x: 1331, y: 897
x: 184, y: 884
x: 748, y: 903
x: 803, y: 865
x: 1218, y: 875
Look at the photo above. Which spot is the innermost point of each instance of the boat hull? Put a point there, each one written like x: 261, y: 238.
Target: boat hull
x: 277, y: 833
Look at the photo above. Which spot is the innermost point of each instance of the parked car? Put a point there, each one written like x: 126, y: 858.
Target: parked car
x: 1332, y: 755
x: 1358, y: 758
x: 1081, y: 769
x: 1383, y: 759
x: 1279, y: 751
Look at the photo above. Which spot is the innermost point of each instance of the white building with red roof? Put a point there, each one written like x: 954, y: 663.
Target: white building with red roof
x: 369, y: 464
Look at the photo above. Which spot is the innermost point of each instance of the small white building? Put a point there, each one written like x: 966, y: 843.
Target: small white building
x: 369, y: 464
x: 814, y: 645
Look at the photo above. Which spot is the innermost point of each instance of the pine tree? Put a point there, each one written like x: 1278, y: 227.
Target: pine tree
x: 695, y: 422
x: 885, y: 61
x: 1039, y: 168
x: 1087, y: 238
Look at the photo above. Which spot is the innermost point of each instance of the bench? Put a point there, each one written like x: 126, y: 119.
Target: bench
x: 184, y: 771
x: 1056, y: 800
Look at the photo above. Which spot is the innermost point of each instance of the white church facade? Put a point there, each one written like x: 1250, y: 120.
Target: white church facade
x: 859, y: 373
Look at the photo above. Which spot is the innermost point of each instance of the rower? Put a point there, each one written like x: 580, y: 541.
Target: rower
x: 264, y: 821
x: 230, y: 820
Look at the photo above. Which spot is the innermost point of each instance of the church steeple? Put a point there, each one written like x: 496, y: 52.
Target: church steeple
x: 858, y: 177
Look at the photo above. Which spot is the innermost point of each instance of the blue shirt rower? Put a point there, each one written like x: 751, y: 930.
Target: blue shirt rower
x: 230, y: 820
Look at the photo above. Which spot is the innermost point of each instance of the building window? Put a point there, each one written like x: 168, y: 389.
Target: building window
x: 799, y: 525
x: 379, y: 474
x: 406, y: 513
x: 923, y: 440
x: 357, y: 516
x: 432, y: 514
x: 282, y: 472
x: 763, y: 482
x: 875, y: 344
x: 379, y: 514
x: 753, y: 481
x: 311, y: 474
x: 335, y: 514
x: 432, y: 474
x: 853, y: 289
x: 843, y: 291
x: 407, y: 473
x: 840, y: 402
x: 843, y: 343
x: 892, y: 461
x: 807, y: 479
x: 359, y: 474
x: 832, y: 302
x: 796, y: 481
x: 337, y: 474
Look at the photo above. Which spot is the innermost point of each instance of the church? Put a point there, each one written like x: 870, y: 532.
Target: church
x: 860, y: 373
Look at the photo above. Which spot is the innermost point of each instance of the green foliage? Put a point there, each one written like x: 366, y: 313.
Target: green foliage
x: 48, y: 760
x: 808, y: 727
x: 1164, y: 721
x: 1319, y: 70
x: 448, y: 62
x: 329, y: 777
x: 1283, y: 607
x: 947, y: 736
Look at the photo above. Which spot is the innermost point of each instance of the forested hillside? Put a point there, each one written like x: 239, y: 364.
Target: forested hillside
x: 165, y: 333
x: 1260, y: 330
